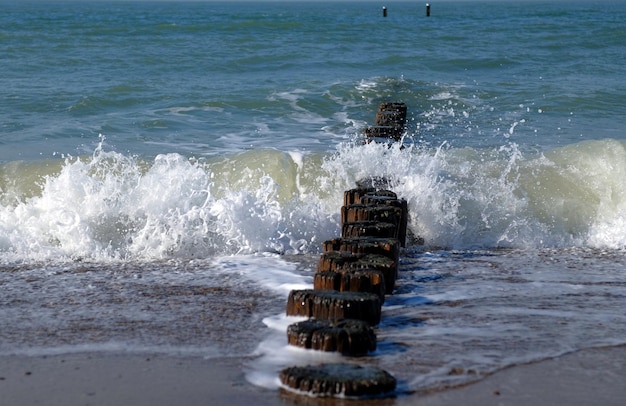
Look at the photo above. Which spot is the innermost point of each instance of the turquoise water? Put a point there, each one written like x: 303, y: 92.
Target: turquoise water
x: 206, y: 78
x: 169, y: 144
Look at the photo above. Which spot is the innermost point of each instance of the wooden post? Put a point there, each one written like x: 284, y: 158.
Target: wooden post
x: 371, y: 200
x: 341, y: 380
x: 352, y: 280
x: 349, y: 336
x: 368, y: 229
x: 333, y: 305
x: 353, y: 196
x: 389, y: 247
x: 390, y: 121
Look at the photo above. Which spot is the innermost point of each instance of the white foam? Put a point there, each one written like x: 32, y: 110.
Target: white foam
x: 274, y: 354
x: 269, y: 271
x: 111, y: 206
x: 445, y: 95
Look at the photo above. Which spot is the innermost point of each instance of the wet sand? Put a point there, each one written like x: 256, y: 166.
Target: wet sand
x: 587, y: 377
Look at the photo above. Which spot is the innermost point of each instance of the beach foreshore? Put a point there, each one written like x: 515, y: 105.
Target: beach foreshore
x: 593, y: 376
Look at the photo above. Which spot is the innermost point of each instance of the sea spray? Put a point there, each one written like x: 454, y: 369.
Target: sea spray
x: 116, y: 206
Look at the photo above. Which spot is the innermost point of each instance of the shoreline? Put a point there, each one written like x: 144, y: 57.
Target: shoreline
x: 591, y: 376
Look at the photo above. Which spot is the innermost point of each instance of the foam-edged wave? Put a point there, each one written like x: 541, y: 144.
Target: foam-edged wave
x: 113, y: 206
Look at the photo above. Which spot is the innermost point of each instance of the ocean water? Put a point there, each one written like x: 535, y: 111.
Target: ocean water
x: 169, y: 171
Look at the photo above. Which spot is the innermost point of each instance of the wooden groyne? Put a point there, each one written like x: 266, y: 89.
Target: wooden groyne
x: 355, y: 272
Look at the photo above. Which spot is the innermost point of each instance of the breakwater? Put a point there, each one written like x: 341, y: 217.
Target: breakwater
x: 354, y: 273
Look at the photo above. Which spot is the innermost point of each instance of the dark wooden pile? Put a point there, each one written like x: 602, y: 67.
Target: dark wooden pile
x: 390, y: 122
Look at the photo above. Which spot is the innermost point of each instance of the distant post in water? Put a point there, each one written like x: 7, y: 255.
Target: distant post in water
x: 384, y: 11
x: 427, y: 10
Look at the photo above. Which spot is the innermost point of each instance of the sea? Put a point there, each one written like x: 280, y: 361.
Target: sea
x: 169, y: 171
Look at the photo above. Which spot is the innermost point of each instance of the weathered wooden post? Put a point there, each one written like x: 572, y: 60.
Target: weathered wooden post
x: 342, y: 380
x: 353, y: 196
x: 352, y: 280
x: 399, y: 204
x: 333, y: 305
x: 348, y: 336
x: 368, y: 229
x: 390, y: 122
x: 389, y: 247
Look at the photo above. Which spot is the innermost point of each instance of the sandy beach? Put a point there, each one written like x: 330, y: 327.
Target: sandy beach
x: 587, y: 377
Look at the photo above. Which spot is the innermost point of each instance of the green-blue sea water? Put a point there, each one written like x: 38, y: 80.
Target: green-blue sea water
x: 151, y: 146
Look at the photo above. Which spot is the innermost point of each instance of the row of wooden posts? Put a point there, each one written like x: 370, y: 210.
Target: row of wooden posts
x: 354, y: 274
